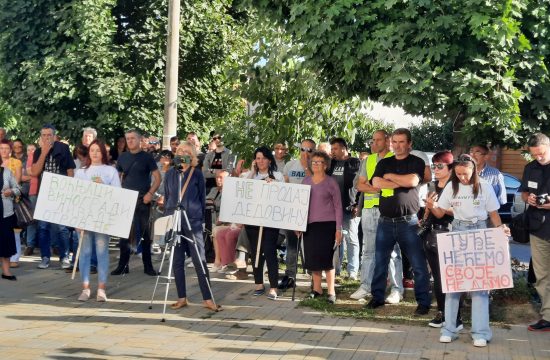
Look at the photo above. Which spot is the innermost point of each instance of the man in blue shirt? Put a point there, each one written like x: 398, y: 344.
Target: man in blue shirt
x: 493, y: 176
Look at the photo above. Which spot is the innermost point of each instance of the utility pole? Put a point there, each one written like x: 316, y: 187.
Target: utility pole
x: 172, y: 63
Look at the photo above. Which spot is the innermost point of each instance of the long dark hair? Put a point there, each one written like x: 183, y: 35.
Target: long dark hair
x: 102, y: 149
x: 466, y: 161
x: 266, y: 152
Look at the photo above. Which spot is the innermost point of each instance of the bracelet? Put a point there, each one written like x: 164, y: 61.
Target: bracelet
x: 150, y: 193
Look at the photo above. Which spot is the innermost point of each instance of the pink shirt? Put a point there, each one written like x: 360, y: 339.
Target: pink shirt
x: 325, y: 202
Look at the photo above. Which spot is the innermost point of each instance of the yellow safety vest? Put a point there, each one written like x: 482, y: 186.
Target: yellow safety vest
x: 374, y: 199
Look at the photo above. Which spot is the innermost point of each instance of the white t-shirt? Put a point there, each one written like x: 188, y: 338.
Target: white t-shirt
x: 464, y: 206
x: 294, y: 171
x: 423, y: 190
x: 259, y: 176
x: 107, y: 173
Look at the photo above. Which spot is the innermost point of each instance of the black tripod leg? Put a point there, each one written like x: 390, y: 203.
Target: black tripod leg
x: 296, y: 266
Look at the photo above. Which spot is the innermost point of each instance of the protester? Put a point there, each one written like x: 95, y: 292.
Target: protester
x: 324, y: 225
x: 30, y: 232
x: 380, y: 147
x: 324, y: 147
x: 9, y: 188
x: 2, y: 134
x: 193, y: 138
x: 480, y: 154
x: 343, y: 169
x: 184, y: 187
x: 442, y: 167
x: 279, y: 153
x: 15, y: 167
x: 137, y: 167
x: 55, y: 157
x: 263, y: 168
x: 294, y: 172
x: 88, y: 135
x: 472, y: 202
x: 118, y: 149
x: 96, y: 168
x: 398, y: 220
x: 220, y: 158
x: 174, y: 143
x: 534, y: 189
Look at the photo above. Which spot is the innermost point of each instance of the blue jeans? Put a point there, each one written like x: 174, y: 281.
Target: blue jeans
x: 480, y: 301
x: 350, y: 239
x: 403, y: 233
x: 74, y: 237
x: 47, y: 231
x: 369, y: 222
x: 100, y: 242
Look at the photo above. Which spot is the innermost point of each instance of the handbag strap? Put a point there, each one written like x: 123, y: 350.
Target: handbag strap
x: 184, y: 188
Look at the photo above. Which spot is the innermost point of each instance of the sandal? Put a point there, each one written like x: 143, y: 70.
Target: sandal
x: 179, y: 304
x: 212, y: 306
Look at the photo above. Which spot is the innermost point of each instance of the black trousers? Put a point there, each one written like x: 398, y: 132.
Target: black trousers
x: 140, y: 228
x: 268, y: 253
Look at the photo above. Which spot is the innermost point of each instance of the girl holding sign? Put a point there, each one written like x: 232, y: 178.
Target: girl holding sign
x: 473, y: 203
x: 97, y: 169
x: 264, y: 168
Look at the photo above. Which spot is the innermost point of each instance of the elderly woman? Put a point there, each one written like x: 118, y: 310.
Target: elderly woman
x: 96, y: 168
x: 9, y: 189
x: 184, y: 186
x: 473, y: 203
x: 264, y: 168
x: 324, y: 225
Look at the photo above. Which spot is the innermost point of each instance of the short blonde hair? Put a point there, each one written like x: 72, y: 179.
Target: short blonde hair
x: 192, y: 150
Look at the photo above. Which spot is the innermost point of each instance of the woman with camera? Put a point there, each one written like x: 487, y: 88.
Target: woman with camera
x: 264, y: 168
x: 442, y: 165
x: 184, y: 190
x: 472, y: 202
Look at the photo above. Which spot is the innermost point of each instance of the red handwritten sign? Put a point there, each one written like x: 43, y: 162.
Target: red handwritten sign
x: 474, y: 260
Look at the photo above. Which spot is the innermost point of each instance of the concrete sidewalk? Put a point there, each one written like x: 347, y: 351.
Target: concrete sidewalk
x: 40, y: 318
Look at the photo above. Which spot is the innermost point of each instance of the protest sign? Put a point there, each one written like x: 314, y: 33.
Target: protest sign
x: 474, y: 260
x: 257, y: 202
x: 85, y: 205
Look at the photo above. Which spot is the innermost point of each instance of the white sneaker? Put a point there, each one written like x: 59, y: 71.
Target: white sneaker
x: 480, y: 342
x: 65, y: 263
x: 45, y: 263
x: 101, y: 296
x: 155, y: 249
x: 85, y: 295
x: 360, y: 293
x: 445, y: 339
x: 394, y: 297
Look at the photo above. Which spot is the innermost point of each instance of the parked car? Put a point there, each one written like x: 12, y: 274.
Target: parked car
x: 508, y: 210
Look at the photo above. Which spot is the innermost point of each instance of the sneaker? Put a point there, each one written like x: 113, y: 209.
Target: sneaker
x: 332, y: 299
x: 101, y: 296
x: 408, y: 284
x: 45, y: 263
x: 445, y: 339
x: 437, y: 321
x: 353, y: 276
x: 373, y: 304
x: 156, y: 249
x: 272, y: 296
x: 394, y: 297
x: 222, y: 269
x: 421, y: 310
x: 359, y: 294
x: 65, y: 263
x: 459, y: 325
x: 84, y: 295
x: 541, y: 325
x: 480, y: 342
x: 314, y: 294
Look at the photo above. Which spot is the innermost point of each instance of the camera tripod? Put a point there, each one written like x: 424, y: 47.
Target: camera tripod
x: 173, y: 239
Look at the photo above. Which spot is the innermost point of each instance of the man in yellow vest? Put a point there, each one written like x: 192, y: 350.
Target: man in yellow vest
x: 380, y: 147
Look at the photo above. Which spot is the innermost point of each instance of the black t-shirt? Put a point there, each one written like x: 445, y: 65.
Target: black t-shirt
x: 58, y: 160
x: 136, y: 170
x: 536, y: 180
x: 344, y: 171
x: 404, y: 200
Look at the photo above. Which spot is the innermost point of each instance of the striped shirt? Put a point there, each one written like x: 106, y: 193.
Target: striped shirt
x: 494, y: 177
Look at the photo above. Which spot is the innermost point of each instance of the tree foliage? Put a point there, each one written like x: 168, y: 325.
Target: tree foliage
x: 77, y: 63
x: 432, y: 136
x: 483, y: 66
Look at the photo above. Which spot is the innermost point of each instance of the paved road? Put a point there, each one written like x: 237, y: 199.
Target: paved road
x: 41, y: 319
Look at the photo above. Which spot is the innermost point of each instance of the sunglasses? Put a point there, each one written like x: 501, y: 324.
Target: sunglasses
x: 438, y: 166
x: 306, y: 149
x: 216, y: 138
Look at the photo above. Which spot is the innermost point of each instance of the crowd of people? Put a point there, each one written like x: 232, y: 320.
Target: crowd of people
x: 364, y: 213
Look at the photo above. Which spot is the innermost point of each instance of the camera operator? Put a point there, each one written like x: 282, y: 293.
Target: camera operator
x: 184, y: 190
x: 534, y: 191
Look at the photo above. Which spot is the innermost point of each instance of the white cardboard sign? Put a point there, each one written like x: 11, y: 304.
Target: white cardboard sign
x: 257, y: 202
x: 85, y: 205
x: 474, y: 260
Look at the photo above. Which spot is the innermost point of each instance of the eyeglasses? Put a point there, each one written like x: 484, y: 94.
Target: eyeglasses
x: 464, y: 158
x: 315, y: 162
x: 477, y: 152
x: 438, y: 166
x: 309, y: 150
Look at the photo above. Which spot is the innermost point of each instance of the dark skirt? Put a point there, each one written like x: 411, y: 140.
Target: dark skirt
x: 319, y: 245
x: 7, y: 238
